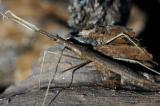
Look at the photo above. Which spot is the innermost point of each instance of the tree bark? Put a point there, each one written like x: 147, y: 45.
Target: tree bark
x: 86, y: 97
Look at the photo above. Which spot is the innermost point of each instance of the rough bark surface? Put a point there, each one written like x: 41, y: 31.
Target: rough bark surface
x: 85, y: 97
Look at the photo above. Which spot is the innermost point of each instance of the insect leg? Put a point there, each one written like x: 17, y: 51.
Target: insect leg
x: 52, y: 76
x: 79, y: 65
x: 74, y: 57
x: 75, y: 68
x: 123, y: 35
x: 42, y: 64
x: 138, y: 62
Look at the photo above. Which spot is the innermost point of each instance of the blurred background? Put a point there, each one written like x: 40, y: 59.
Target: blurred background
x: 20, y: 47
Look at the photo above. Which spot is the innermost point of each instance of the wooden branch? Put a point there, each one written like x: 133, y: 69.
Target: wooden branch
x: 84, y: 96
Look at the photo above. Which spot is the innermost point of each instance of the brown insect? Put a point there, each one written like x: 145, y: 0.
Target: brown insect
x: 117, y: 42
x: 107, y: 40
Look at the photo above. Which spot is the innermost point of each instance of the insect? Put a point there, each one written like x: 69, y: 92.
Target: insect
x: 117, y: 42
x: 88, y: 55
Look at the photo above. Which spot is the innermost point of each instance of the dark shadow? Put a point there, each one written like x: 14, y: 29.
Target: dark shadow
x: 150, y: 35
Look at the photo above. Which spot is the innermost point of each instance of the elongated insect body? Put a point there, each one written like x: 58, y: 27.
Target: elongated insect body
x: 91, y: 55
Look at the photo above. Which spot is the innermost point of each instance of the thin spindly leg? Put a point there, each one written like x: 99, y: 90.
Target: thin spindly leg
x: 75, y: 68
x: 74, y: 57
x: 123, y: 35
x: 138, y: 62
x: 9, y: 15
x: 130, y: 60
x: 52, y: 77
x: 43, y: 60
x: 42, y: 64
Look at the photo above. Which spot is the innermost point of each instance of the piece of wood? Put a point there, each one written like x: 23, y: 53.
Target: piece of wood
x: 86, y: 97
